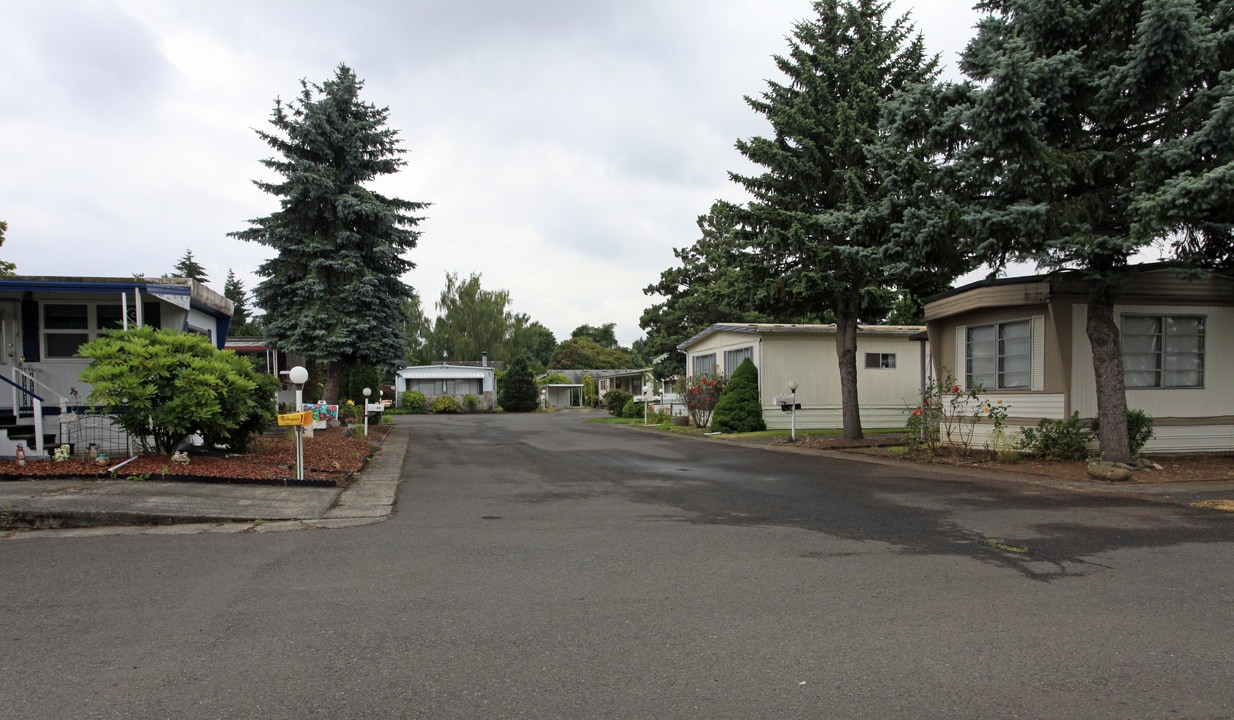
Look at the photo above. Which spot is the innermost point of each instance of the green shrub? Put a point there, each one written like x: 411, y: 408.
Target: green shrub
x: 519, y: 392
x: 445, y: 404
x: 632, y: 409
x: 1058, y: 439
x: 615, y: 401
x: 738, y: 409
x: 413, y: 401
x: 470, y: 403
x: 167, y: 385
x: 1139, y: 429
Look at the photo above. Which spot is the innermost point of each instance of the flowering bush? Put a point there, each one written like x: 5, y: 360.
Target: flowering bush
x: 948, y: 414
x: 702, y: 392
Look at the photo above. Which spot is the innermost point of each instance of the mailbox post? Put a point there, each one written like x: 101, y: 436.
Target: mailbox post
x: 792, y: 388
x: 366, y: 392
x: 298, y: 376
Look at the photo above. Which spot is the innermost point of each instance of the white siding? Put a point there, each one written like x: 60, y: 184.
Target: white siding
x: 1215, y: 399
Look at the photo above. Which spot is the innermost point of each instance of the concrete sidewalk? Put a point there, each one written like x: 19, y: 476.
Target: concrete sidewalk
x: 79, y: 507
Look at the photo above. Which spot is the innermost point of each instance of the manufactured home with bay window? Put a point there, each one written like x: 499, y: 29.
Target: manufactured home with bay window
x: 1023, y: 340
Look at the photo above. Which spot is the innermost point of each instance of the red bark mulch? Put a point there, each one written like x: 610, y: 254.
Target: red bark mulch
x: 329, y: 458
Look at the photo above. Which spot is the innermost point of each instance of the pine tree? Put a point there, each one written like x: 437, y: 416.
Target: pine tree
x: 187, y: 267
x: 1091, y: 131
x: 6, y: 268
x: 739, y: 409
x: 815, y: 230
x: 233, y: 290
x: 333, y: 291
x: 519, y: 392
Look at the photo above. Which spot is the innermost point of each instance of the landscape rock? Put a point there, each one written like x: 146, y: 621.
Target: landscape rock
x: 1109, y: 472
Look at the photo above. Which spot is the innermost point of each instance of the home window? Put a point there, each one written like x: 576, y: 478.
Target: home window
x: 65, y: 328
x: 703, y: 364
x: 999, y: 356
x: 875, y: 361
x: 1164, y: 351
x: 733, y: 358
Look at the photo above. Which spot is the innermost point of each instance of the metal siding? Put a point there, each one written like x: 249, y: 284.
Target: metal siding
x: 1214, y: 399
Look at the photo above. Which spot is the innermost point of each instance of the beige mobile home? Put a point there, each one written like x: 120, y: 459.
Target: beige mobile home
x: 1024, y: 340
x: 891, y: 367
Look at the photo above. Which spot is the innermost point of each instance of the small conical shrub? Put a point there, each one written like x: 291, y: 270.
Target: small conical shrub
x: 739, y: 409
x: 519, y: 392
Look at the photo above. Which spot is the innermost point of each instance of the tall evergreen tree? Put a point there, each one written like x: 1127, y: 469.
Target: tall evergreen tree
x: 333, y: 291
x: 707, y: 288
x: 6, y: 268
x: 189, y: 268
x: 815, y: 230
x: 1091, y: 130
x: 233, y: 290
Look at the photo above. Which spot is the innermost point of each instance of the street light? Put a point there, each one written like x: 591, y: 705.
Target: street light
x: 298, y: 376
x: 792, y: 388
x: 366, y: 392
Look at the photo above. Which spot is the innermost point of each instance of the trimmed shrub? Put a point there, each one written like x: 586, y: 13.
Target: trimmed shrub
x: 1139, y: 429
x: 632, y: 409
x: 445, y: 404
x: 1058, y: 439
x: 738, y: 409
x: 413, y: 401
x: 470, y: 403
x: 519, y: 392
x: 615, y: 401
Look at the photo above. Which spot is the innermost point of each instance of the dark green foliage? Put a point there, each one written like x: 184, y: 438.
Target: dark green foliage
x: 233, y: 290
x: 707, y: 288
x: 604, y: 335
x: 168, y: 385
x: 615, y: 401
x: 358, y: 378
x: 814, y: 238
x: 580, y: 353
x: 632, y: 409
x: 253, y: 413
x: 470, y: 403
x: 333, y: 289
x: 187, y: 267
x: 1139, y: 429
x: 1090, y: 131
x: 519, y: 392
x: 1058, y: 439
x: 445, y: 404
x: 739, y: 409
x: 413, y: 401
x: 6, y: 268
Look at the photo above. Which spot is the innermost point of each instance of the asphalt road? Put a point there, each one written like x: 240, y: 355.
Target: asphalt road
x: 544, y: 567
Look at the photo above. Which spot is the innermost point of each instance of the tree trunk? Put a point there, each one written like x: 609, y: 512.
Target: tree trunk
x: 846, y: 352
x: 1108, y: 371
x: 334, y: 382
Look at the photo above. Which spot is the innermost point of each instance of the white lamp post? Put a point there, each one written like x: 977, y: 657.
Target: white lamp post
x: 366, y: 392
x: 298, y: 376
x: 792, y: 388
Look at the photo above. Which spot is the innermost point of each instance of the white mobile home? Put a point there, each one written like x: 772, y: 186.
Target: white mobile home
x: 891, y: 368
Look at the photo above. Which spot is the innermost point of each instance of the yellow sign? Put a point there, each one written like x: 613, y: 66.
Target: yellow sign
x: 303, y: 419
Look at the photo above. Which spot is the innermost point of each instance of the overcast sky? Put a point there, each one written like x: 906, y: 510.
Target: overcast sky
x: 566, y: 146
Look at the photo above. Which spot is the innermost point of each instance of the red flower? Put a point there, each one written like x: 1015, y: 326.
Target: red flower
x: 917, y: 411
x: 955, y: 389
